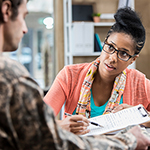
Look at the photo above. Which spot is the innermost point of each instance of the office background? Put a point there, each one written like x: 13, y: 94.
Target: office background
x: 42, y: 50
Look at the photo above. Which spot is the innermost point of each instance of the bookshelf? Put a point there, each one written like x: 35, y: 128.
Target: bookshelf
x: 79, y: 35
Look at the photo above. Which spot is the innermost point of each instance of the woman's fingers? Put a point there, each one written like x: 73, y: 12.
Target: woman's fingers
x: 79, y: 118
x: 121, y: 107
x: 77, y: 129
x: 82, y: 132
x: 76, y: 124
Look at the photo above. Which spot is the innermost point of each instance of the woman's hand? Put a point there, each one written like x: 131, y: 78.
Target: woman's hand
x: 121, y: 107
x: 76, y: 124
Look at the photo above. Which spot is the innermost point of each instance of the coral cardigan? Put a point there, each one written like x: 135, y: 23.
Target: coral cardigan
x: 67, y: 85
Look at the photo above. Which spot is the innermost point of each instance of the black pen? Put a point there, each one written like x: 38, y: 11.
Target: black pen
x: 91, y: 122
x: 96, y: 124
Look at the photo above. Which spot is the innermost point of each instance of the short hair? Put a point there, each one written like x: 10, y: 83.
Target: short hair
x: 15, y: 4
x: 129, y: 22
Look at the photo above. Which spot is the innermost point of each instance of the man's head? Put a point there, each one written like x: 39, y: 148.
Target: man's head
x: 12, y: 23
x: 15, y: 5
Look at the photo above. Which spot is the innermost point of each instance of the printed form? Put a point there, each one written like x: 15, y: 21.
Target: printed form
x: 119, y: 120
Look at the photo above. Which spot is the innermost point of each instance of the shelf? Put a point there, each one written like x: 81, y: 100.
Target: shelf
x: 79, y: 35
x: 104, y: 24
x: 90, y: 54
x: 68, y: 24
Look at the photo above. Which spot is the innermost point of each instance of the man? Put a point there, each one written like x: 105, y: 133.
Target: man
x: 23, y: 123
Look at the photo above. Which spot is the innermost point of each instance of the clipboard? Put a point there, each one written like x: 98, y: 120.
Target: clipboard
x: 143, y: 111
x: 113, y: 122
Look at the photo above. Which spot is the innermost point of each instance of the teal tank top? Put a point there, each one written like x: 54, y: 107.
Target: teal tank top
x: 97, y: 110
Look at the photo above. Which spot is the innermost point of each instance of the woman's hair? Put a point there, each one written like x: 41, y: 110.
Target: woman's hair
x: 128, y: 22
x: 15, y: 4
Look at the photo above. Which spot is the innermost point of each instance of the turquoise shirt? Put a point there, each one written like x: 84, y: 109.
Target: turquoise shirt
x: 97, y: 110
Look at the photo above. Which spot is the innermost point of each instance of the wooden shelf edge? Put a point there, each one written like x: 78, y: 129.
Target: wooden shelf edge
x: 104, y: 24
x: 90, y: 54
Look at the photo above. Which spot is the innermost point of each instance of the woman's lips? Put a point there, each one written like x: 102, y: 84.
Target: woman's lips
x: 110, y: 67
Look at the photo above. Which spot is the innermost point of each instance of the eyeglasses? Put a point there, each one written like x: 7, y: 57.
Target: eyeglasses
x: 110, y: 49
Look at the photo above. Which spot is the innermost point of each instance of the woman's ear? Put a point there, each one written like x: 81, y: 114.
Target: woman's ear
x: 6, y: 10
x: 134, y: 58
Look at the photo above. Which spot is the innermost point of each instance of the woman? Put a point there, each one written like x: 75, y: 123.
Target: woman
x: 105, y: 85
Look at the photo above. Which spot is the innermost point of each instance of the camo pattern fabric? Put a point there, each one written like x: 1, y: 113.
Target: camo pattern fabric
x: 25, y: 123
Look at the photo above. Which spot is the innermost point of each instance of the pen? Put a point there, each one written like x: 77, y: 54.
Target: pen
x: 96, y: 124
x: 67, y: 114
x: 93, y: 123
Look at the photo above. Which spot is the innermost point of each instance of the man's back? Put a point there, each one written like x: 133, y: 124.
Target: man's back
x: 22, y: 123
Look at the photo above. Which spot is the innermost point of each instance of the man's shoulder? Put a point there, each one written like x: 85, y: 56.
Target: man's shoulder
x: 9, y: 67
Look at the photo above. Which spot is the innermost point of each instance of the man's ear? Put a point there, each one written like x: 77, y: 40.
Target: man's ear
x: 134, y: 58
x: 6, y: 10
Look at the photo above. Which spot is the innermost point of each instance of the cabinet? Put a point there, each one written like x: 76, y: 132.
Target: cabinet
x: 83, y: 39
x: 79, y: 36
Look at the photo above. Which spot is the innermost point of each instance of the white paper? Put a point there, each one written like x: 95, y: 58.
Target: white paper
x: 117, y: 121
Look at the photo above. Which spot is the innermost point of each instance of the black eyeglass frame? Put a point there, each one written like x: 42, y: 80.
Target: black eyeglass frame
x: 130, y: 56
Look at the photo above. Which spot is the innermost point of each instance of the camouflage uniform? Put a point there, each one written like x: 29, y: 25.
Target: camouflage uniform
x: 23, y: 124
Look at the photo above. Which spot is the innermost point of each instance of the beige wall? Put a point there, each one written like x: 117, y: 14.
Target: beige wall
x: 58, y: 35
x: 143, y: 62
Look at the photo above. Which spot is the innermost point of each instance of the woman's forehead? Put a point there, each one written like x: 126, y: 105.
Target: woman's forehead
x: 122, y: 40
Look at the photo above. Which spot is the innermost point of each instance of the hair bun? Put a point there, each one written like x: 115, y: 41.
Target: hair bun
x: 127, y: 18
x: 129, y: 22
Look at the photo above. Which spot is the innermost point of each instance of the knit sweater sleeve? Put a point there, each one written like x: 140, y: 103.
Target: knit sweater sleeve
x: 58, y: 92
x: 137, y: 89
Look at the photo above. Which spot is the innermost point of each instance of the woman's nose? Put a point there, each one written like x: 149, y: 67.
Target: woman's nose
x: 114, y: 57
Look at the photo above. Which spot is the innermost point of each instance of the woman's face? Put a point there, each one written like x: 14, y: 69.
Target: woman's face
x: 110, y: 64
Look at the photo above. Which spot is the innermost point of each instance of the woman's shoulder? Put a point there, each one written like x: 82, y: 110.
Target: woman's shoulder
x: 134, y: 71
x: 135, y: 74
x: 77, y: 68
x: 73, y: 73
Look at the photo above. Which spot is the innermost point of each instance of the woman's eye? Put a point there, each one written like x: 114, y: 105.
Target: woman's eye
x: 111, y: 47
x: 123, y: 53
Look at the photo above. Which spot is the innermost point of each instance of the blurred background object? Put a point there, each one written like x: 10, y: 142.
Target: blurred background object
x: 36, y: 50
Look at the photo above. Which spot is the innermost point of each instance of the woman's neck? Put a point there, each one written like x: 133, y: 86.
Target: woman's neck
x: 103, y: 80
x: 101, y: 89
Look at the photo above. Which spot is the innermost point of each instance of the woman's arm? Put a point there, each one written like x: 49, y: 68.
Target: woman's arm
x: 58, y: 92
